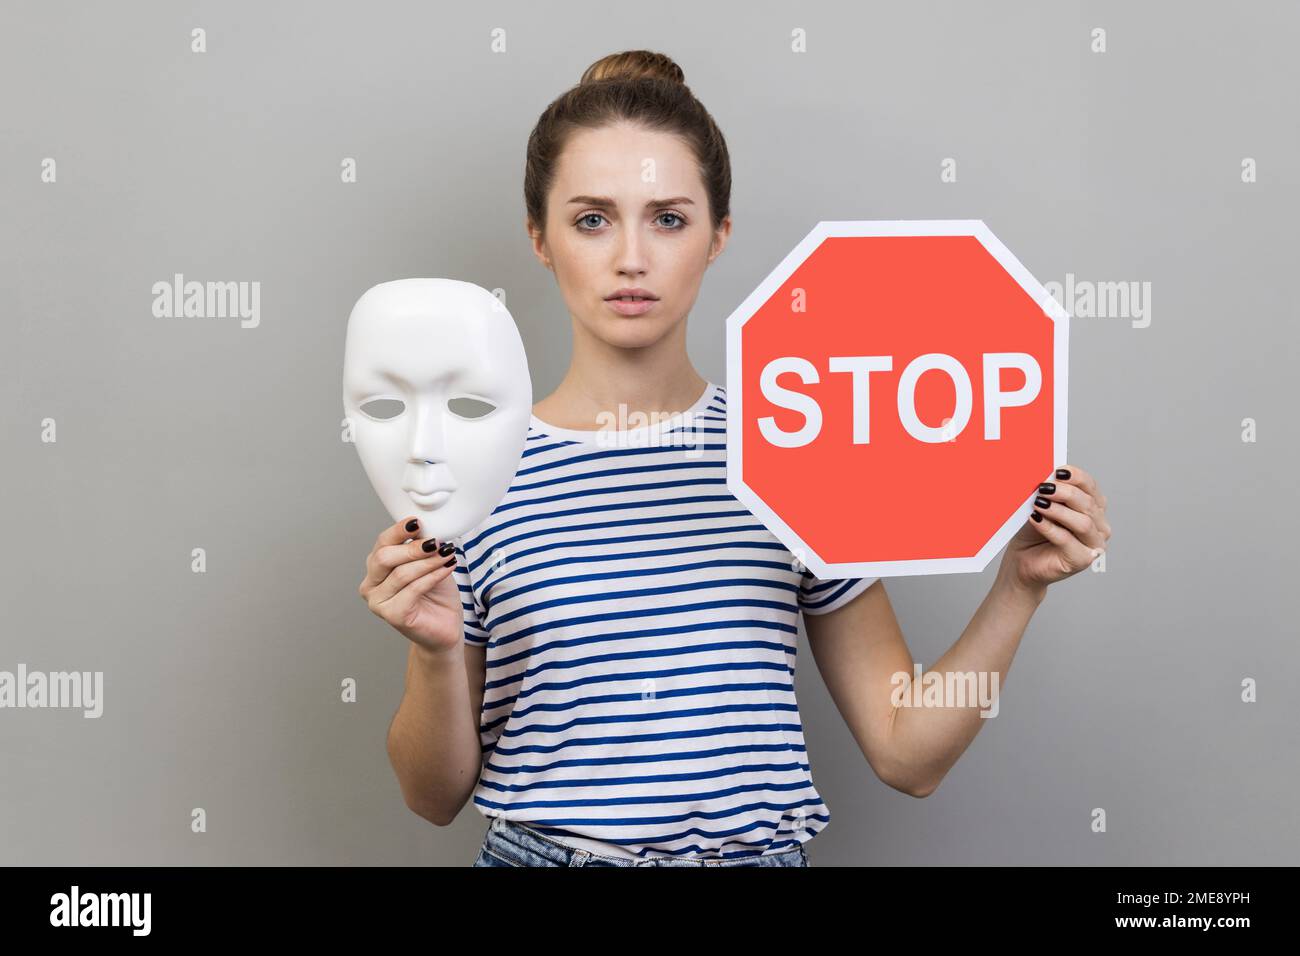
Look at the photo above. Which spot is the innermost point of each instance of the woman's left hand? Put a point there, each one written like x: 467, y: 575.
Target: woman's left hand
x: 1071, y: 534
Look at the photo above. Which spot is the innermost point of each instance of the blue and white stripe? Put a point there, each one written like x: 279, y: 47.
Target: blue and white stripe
x: 640, y: 628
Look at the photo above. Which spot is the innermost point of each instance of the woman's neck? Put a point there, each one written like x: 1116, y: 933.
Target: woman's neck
x: 582, y: 402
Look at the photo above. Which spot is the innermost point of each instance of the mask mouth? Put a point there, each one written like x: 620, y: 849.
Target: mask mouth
x: 430, y: 499
x: 428, y: 487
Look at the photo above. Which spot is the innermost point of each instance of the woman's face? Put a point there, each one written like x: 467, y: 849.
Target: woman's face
x: 628, y: 210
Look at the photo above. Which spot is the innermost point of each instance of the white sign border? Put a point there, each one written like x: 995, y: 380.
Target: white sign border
x: 827, y: 229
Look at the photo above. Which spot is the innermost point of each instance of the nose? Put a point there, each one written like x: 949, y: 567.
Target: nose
x: 427, y: 443
x: 631, y: 253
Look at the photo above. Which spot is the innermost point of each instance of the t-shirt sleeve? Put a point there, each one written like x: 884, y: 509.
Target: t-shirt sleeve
x: 818, y: 595
x: 475, y: 632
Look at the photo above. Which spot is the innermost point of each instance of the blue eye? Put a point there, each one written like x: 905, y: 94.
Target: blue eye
x: 679, y: 221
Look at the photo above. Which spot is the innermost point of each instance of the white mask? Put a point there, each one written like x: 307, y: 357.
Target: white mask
x: 446, y: 350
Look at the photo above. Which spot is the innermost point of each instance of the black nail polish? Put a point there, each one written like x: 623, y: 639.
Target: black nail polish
x: 413, y: 524
x: 1042, y: 502
x: 1047, y: 487
x: 447, y: 564
x: 430, y: 544
x: 447, y: 548
x: 1036, y: 516
x: 1063, y: 473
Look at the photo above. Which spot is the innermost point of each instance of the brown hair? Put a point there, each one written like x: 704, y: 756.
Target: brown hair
x: 641, y: 87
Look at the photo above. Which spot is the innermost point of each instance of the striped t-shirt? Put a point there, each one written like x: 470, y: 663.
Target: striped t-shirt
x: 640, y: 633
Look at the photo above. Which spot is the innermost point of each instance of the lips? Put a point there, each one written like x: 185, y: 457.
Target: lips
x: 631, y: 295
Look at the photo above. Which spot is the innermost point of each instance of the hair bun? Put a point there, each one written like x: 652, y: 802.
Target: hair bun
x: 634, y: 64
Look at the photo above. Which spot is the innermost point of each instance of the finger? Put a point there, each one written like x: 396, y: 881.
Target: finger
x: 398, y: 609
x: 380, y: 562
x: 405, y: 574
x: 1075, y: 497
x: 398, y: 532
x: 1077, y: 554
x: 394, y: 534
x: 1077, y: 476
x: 1078, y: 522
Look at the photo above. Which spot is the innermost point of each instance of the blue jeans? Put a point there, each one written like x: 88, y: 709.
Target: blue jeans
x: 512, y: 844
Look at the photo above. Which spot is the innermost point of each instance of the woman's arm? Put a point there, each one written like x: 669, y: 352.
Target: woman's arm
x: 433, y: 741
x: 859, y: 648
x: 861, y: 654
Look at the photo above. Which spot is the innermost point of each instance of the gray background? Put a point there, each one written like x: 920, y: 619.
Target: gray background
x: 222, y: 689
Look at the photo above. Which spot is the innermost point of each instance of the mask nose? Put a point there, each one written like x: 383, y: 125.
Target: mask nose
x: 427, y: 443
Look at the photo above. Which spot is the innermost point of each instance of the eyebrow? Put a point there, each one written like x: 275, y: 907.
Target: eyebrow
x: 608, y: 202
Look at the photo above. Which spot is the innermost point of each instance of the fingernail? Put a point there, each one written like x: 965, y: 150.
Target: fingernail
x: 1063, y: 473
x: 1036, y: 515
x: 447, y: 564
x: 447, y: 548
x: 413, y: 524
x: 1042, y: 502
x: 430, y: 544
x: 1047, y: 487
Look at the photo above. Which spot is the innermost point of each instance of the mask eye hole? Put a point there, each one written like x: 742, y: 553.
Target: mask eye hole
x: 382, y: 409
x: 470, y: 407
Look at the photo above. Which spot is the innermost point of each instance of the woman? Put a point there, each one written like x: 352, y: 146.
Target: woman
x: 606, y: 666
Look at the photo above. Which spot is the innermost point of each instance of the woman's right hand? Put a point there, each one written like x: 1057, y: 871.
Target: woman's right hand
x: 412, y: 588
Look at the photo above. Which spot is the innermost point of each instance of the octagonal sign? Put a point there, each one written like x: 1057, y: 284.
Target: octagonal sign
x: 896, y: 391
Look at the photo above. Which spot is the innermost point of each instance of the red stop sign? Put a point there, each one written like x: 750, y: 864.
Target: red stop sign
x: 896, y: 391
